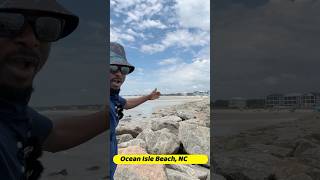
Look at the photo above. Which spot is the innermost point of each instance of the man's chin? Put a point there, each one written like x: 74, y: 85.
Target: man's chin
x: 115, y: 88
x: 15, y: 93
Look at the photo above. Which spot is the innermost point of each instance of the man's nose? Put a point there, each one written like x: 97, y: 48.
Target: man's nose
x: 27, y: 37
x: 118, y: 73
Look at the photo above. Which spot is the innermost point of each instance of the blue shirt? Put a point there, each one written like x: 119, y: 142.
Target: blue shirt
x: 115, y: 100
x: 18, y: 123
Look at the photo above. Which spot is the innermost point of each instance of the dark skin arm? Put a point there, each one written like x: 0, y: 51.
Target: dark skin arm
x: 72, y: 131
x: 134, y: 102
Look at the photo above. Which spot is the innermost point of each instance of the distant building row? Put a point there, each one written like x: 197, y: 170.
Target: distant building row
x: 309, y: 100
x: 293, y: 100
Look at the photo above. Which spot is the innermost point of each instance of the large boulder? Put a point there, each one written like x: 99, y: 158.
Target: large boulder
x: 129, y: 128
x: 185, y: 115
x: 192, y: 170
x: 308, y: 152
x: 169, y: 122
x: 160, y: 142
x: 246, y: 165
x: 133, y: 142
x: 216, y: 177
x: 124, y: 138
x: 195, y: 139
x: 177, y: 175
x: 138, y: 171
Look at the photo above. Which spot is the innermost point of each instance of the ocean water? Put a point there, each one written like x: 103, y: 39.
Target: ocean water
x: 148, y: 107
x: 144, y: 109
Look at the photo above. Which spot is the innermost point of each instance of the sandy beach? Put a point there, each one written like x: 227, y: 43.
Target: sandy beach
x: 89, y: 160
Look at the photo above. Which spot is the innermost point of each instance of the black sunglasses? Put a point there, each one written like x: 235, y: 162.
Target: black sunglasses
x: 45, y: 28
x: 123, y: 69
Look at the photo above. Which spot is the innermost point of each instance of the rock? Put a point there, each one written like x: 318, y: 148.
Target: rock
x: 192, y: 170
x: 195, y: 139
x: 133, y: 142
x: 198, y: 122
x: 124, y: 138
x: 145, y: 134
x: 160, y: 142
x: 133, y: 128
x: 300, y: 177
x: 290, y: 168
x: 185, y: 115
x: 216, y: 177
x: 311, y: 157
x: 303, y: 145
x: 139, y: 171
x: 169, y: 122
x: 245, y: 165
x: 270, y: 149
x: 177, y: 175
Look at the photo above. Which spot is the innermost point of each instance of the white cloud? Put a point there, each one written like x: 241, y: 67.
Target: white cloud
x: 179, y: 77
x: 181, y: 38
x: 193, y: 14
x: 168, y: 61
x: 151, y: 24
x: 183, y: 76
x: 117, y: 35
x: 152, y: 48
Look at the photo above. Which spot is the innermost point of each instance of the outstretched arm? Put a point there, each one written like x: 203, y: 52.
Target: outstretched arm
x: 133, y: 102
x: 72, y: 131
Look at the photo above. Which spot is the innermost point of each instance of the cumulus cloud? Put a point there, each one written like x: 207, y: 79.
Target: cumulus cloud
x: 193, y: 14
x: 186, y: 76
x: 169, y: 61
x: 180, y: 38
x: 118, y: 35
x: 175, y: 40
x: 152, y: 24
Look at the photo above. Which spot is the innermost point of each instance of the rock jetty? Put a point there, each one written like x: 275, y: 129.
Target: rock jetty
x: 179, y: 129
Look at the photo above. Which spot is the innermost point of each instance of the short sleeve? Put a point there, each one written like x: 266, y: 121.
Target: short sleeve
x: 41, y: 125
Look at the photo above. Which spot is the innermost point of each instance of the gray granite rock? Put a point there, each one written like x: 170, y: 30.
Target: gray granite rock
x: 124, y: 138
x: 195, y: 139
x: 177, y: 175
x: 133, y: 142
x: 192, y: 170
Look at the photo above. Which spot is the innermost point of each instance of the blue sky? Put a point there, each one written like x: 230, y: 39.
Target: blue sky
x: 168, y: 41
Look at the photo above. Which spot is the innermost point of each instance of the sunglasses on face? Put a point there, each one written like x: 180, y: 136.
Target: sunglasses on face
x: 45, y: 28
x: 123, y: 69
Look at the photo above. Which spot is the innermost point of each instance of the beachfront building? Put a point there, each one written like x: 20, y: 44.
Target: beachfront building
x: 292, y: 100
x: 310, y: 100
x: 274, y: 100
x: 238, y: 102
x: 201, y: 93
